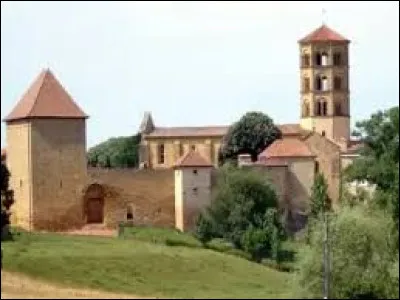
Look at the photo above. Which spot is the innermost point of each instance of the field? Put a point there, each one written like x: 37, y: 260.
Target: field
x: 143, y: 262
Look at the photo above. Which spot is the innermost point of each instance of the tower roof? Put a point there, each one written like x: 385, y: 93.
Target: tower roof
x: 45, y: 98
x: 192, y: 159
x: 323, y: 34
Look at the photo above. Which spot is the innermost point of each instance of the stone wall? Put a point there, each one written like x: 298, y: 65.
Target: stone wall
x: 149, y: 193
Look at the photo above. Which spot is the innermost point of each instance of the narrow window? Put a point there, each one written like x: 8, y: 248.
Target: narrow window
x: 161, y: 154
x: 337, y: 59
x: 180, y: 149
x: 195, y: 172
x: 193, y: 147
x: 323, y: 133
x: 129, y: 214
x: 316, y: 167
x: 195, y: 191
x: 337, y: 83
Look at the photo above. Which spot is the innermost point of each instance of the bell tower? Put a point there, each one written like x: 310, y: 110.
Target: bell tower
x: 324, y: 84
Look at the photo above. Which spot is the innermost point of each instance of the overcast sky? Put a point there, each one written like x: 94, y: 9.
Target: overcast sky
x: 190, y: 63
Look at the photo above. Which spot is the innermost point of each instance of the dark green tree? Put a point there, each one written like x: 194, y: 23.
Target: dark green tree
x: 250, y: 135
x: 319, y: 196
x: 120, y: 152
x: 243, y: 212
x: 7, y: 199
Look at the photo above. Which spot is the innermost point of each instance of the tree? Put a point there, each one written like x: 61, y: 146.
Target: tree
x: 250, y: 135
x: 363, y: 263
x: 319, y: 196
x: 7, y: 199
x: 379, y: 158
x: 243, y: 212
x: 120, y: 152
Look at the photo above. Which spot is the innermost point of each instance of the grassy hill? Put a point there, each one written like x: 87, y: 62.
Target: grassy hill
x: 132, y: 265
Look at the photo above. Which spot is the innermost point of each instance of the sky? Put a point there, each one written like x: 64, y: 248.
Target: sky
x: 191, y: 63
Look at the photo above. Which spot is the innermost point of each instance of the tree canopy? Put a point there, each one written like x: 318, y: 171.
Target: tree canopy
x: 117, y: 152
x: 379, y: 160
x: 250, y: 135
x: 244, y: 212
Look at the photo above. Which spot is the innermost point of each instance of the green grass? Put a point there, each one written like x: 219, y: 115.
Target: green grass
x: 141, y: 268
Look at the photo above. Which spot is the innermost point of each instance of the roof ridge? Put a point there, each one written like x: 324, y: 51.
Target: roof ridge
x: 38, y: 92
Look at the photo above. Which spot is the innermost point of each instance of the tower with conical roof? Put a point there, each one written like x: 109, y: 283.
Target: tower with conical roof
x: 46, y: 156
x: 324, y: 75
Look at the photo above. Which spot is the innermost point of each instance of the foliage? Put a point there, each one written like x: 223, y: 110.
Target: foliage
x: 119, y: 152
x: 362, y: 259
x: 7, y: 199
x: 203, y: 230
x: 141, y: 268
x: 243, y: 212
x: 379, y: 161
x: 319, y: 196
x: 250, y: 135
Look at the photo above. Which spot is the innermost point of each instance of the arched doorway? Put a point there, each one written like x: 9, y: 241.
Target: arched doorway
x: 94, y: 204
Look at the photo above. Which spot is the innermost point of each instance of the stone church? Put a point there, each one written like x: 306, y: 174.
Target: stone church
x: 55, y: 190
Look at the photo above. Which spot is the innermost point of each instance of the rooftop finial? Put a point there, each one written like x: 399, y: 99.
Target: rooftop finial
x: 323, y: 16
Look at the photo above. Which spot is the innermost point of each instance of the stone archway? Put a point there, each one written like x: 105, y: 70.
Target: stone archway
x: 94, y: 204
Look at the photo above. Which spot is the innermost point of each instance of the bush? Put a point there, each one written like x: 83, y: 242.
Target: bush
x: 243, y: 212
x: 203, y: 230
x: 362, y: 259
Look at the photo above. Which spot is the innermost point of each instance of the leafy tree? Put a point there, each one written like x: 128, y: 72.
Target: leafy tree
x: 203, y: 231
x: 363, y: 263
x: 251, y: 135
x: 120, y: 152
x: 243, y: 211
x: 379, y: 160
x: 319, y: 196
x: 7, y: 199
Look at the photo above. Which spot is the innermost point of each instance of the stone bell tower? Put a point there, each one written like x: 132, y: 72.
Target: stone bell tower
x: 324, y: 75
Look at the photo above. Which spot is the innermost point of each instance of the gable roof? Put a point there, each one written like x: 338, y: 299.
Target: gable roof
x: 212, y: 131
x: 286, y: 147
x: 192, y: 159
x: 323, y: 34
x: 45, y: 98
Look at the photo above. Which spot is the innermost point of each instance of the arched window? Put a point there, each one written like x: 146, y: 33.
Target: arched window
x: 321, y: 107
x: 129, y: 213
x: 321, y: 83
x: 305, y: 60
x: 337, y: 59
x: 337, y: 83
x: 324, y: 59
x: 321, y: 59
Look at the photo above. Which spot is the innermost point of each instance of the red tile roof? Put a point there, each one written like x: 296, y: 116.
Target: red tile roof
x: 45, y: 98
x: 212, y: 131
x: 286, y: 147
x: 192, y: 159
x: 323, y: 34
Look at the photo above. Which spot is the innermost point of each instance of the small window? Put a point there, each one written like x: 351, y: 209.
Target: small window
x: 195, y: 172
x: 323, y: 132
x: 316, y: 167
x: 60, y: 183
x: 161, y: 154
x: 193, y: 147
x: 129, y: 214
x: 180, y: 149
x: 195, y: 191
x: 337, y: 83
x: 337, y: 59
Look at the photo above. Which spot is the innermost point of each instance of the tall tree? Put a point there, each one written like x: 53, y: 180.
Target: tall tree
x: 319, y: 196
x: 250, y: 135
x: 379, y: 160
